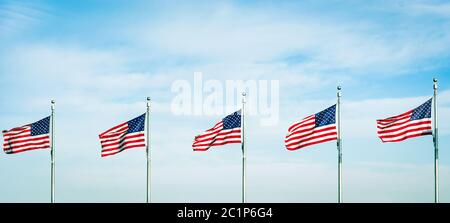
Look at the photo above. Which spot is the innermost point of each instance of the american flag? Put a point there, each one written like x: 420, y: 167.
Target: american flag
x: 124, y: 136
x: 416, y: 122
x: 28, y: 137
x: 228, y: 130
x: 314, y: 129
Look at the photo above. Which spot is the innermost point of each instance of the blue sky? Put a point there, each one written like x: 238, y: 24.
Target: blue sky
x: 100, y: 59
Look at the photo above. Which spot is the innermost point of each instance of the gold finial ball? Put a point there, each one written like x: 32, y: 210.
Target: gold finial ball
x: 339, y: 88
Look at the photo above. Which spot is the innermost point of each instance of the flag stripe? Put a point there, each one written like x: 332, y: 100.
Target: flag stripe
x: 402, y: 128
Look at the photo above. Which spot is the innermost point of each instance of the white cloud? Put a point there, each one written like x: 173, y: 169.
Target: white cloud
x: 325, y: 43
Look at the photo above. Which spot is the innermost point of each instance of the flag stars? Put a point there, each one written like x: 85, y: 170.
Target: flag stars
x: 232, y: 121
x: 136, y: 124
x: 326, y: 117
x: 41, y: 127
x: 423, y: 111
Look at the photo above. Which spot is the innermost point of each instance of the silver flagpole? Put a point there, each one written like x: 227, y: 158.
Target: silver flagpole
x: 148, y: 152
x: 436, y: 143
x: 244, y: 168
x: 339, y: 144
x: 52, y: 153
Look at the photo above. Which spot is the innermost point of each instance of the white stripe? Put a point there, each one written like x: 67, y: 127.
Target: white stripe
x: 288, y: 141
x: 26, y: 147
x: 23, y: 128
x: 221, y: 141
x: 404, y: 124
x: 221, y: 138
x: 17, y: 135
x: 404, y: 130
x: 302, y: 122
x: 201, y: 138
x: 311, y: 141
x: 407, y: 134
x: 382, y: 125
x: 304, y: 126
x: 215, y: 128
x: 120, y: 137
x: 125, y: 141
x: 121, y: 148
x: 303, y: 131
x: 25, y: 138
x: 9, y: 145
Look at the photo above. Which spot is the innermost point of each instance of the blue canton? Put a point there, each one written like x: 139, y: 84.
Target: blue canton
x: 232, y: 121
x: 136, y: 124
x: 326, y: 117
x: 41, y: 127
x: 423, y: 111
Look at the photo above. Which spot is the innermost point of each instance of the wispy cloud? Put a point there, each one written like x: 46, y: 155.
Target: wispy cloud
x: 16, y: 16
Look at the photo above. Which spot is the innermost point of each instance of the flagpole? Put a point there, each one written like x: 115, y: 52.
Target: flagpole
x: 339, y: 143
x: 148, y: 152
x: 436, y: 143
x: 52, y: 153
x: 244, y: 168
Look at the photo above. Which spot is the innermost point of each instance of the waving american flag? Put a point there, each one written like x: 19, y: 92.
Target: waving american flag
x: 413, y: 123
x: 124, y: 136
x: 28, y: 137
x: 228, y: 130
x: 314, y: 129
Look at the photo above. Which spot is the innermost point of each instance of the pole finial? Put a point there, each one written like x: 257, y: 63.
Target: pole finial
x: 434, y: 80
x: 53, y: 101
x: 339, y: 93
x: 435, y: 83
x: 244, y: 93
x: 148, y: 99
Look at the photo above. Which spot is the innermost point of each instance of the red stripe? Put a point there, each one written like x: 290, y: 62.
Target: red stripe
x: 407, y: 137
x: 404, y: 127
x: 23, y: 150
x: 8, y: 141
x: 18, y: 137
x: 394, y: 118
x: 405, y: 132
x: 217, y: 144
x: 27, y: 144
x: 302, y: 122
x: 16, y: 131
x: 114, y: 134
x: 314, y: 131
x: 198, y: 144
x: 393, y: 124
x: 124, y: 144
x: 207, y: 133
x: 218, y: 135
x: 125, y: 148
x: 113, y: 128
x: 121, y: 139
x: 309, y: 144
x: 289, y: 143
